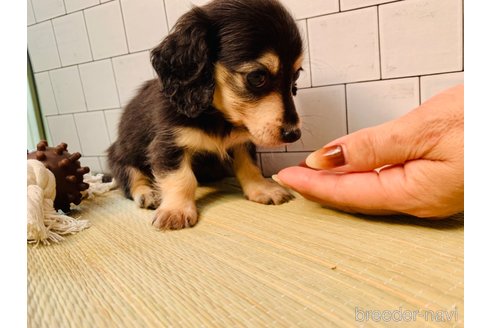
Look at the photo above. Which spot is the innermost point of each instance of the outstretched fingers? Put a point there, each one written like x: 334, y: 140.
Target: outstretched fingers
x: 364, y: 192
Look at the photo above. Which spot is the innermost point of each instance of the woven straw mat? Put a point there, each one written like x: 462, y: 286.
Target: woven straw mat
x: 247, y: 265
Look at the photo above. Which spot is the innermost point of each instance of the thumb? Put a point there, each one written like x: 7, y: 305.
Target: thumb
x: 394, y: 142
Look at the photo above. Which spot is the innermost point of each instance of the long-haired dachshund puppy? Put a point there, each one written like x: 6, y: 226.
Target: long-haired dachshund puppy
x: 227, y: 75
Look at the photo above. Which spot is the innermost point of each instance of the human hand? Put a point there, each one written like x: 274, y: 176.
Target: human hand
x: 412, y: 165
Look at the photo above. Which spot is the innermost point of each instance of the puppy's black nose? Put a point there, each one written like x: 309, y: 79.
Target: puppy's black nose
x: 290, y: 134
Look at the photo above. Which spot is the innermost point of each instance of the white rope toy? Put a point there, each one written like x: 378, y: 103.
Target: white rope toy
x: 44, y: 224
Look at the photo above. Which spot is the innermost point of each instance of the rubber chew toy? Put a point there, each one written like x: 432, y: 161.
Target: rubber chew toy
x: 68, y: 173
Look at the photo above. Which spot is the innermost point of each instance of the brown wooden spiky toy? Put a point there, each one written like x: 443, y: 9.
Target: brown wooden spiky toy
x: 67, y: 171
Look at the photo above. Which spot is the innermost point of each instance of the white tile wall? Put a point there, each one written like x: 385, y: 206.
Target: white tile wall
x: 46, y: 9
x: 112, y: 121
x: 30, y: 14
x: 176, y: 8
x: 106, y: 30
x: 99, y: 85
x: 144, y: 34
x: 305, y: 77
x: 103, y: 161
x: 72, y: 40
x: 130, y: 71
x: 42, y: 47
x: 344, y: 47
x: 274, y: 162
x: 366, y: 61
x: 421, y: 37
x: 271, y: 149
x: 91, y: 162
x: 93, y: 135
x: 310, y: 8
x: 351, y: 4
x: 74, y: 5
x: 68, y: 90
x: 46, y: 96
x: 322, y: 113
x: 373, y: 103
x: 433, y: 84
x: 62, y: 129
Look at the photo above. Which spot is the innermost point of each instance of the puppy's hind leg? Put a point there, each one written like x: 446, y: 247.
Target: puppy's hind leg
x: 141, y: 189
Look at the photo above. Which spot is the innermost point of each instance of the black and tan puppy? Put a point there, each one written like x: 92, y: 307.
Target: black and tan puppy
x: 227, y: 75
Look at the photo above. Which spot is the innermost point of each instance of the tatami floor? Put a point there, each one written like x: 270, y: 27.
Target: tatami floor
x: 248, y: 265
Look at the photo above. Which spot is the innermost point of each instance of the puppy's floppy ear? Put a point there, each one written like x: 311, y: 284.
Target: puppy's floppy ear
x: 185, y: 64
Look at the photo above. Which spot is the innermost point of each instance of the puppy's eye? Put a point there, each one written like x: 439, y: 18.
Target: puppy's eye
x: 295, y: 77
x: 294, y: 89
x: 297, y: 74
x: 257, y: 79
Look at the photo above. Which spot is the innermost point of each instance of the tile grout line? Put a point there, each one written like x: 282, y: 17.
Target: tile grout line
x: 90, y: 40
x: 65, y: 14
x: 82, y: 87
x: 48, y: 130
x: 56, y: 43
x: 261, y: 162
x: 288, y: 152
x: 346, y: 110
x: 33, y: 13
x: 76, y: 132
x: 379, y: 44
x: 107, y: 129
x: 309, y: 54
x: 82, y: 112
x: 420, y: 90
x: 347, y: 10
x: 167, y: 18
x: 373, y: 5
x: 88, y: 37
x: 94, y: 60
x: 52, y: 93
x: 381, y: 80
x: 124, y: 27
x: 54, y: 97
x: 115, y: 81
x: 64, y: 8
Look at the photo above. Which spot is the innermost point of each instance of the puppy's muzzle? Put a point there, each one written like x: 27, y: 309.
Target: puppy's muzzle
x: 290, y: 134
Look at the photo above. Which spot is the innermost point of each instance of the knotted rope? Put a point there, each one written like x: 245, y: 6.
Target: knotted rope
x: 44, y: 224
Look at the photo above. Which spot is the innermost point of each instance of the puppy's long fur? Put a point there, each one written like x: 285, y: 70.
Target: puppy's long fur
x: 227, y: 76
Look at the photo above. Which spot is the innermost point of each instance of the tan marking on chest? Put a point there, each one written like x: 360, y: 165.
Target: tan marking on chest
x: 196, y: 140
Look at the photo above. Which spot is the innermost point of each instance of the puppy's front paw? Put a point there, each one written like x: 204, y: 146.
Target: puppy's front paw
x: 268, y: 193
x: 175, y: 218
x: 147, y: 198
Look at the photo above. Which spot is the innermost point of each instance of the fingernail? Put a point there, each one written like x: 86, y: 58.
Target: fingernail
x: 326, y: 158
x: 277, y: 180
